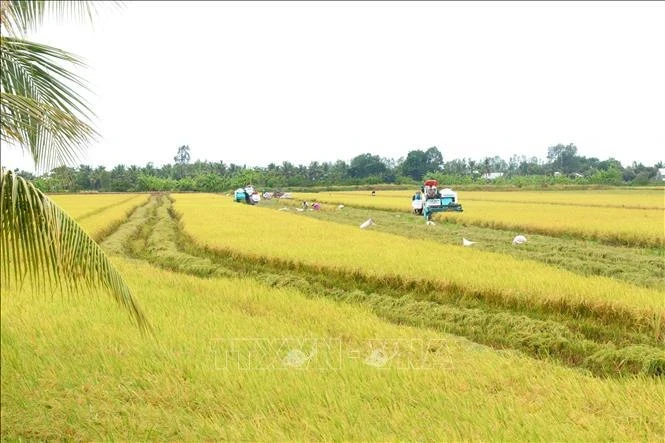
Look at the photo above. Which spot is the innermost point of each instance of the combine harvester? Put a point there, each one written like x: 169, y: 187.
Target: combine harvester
x: 432, y: 200
x: 248, y: 195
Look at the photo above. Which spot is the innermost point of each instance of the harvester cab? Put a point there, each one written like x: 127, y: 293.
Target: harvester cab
x: 433, y: 200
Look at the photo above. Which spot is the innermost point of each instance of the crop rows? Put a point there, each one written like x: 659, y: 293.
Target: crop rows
x: 152, y: 234
x: 82, y: 206
x: 638, y: 266
x: 377, y: 254
x: 73, y: 369
x: 607, y: 224
x: 109, y: 210
x: 284, y: 279
x: 477, y: 315
x: 615, y: 198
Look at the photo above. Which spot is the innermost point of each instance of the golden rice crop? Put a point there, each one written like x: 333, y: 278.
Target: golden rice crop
x: 619, y: 198
x: 641, y: 198
x: 73, y: 369
x: 642, y: 227
x: 104, y: 214
x: 78, y: 205
x: 218, y: 222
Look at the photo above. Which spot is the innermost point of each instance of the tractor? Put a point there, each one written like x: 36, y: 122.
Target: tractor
x: 430, y: 200
x: 247, y: 195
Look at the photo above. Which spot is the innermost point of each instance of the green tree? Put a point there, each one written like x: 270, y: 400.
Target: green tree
x: 339, y: 172
x: 100, y: 178
x: 456, y: 167
x: 563, y: 158
x: 118, y: 179
x: 366, y: 165
x: 64, y: 179
x: 415, y: 165
x: 641, y: 178
x: 41, y: 113
x: 434, y: 159
x: 610, y: 176
x: 83, y: 177
x: 183, y: 155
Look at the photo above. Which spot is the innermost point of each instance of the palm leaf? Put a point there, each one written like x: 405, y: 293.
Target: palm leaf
x: 41, y: 243
x: 21, y: 16
x: 40, y: 110
x: 55, y: 136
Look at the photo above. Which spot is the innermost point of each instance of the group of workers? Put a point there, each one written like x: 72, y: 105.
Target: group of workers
x: 315, y: 206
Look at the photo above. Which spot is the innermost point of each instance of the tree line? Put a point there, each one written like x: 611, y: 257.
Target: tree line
x: 562, y: 166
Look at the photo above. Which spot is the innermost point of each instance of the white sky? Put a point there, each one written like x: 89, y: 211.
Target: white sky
x: 254, y: 83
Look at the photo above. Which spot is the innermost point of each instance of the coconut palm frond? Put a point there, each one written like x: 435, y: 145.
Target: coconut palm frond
x: 51, y: 136
x: 42, y: 112
x: 41, y: 243
x: 39, y: 107
x: 21, y: 17
x: 18, y: 17
x: 37, y: 71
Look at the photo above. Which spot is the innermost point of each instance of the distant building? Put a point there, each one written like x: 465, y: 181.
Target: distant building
x: 492, y: 175
x: 660, y: 175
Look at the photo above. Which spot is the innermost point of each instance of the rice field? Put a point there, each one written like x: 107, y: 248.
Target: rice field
x: 615, y: 198
x: 624, y: 218
x: 100, y: 214
x: 641, y: 198
x: 82, y: 206
x: 285, y: 325
x: 313, y: 242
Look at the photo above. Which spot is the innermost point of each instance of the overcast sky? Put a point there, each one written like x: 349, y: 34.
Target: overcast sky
x: 254, y: 83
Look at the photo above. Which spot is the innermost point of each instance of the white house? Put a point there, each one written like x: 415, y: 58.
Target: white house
x: 492, y: 175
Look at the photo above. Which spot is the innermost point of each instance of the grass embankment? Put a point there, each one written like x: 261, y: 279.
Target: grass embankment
x: 610, y: 225
x: 603, y: 348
